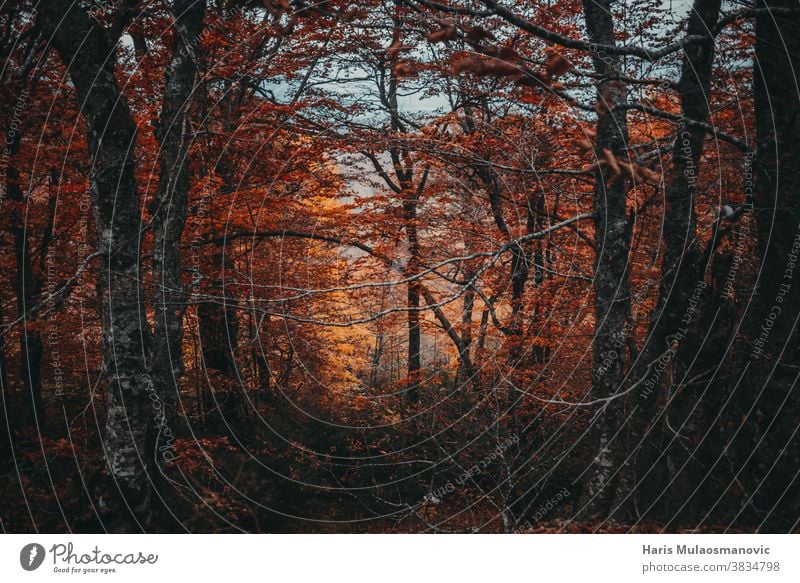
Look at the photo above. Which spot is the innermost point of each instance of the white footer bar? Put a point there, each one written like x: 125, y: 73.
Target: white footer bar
x: 399, y: 558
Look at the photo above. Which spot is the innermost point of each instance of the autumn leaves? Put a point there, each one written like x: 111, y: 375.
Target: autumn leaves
x: 614, y: 168
x: 484, y: 59
x: 488, y: 57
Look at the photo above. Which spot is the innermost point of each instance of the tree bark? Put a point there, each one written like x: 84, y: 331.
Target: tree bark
x: 6, y: 427
x: 681, y: 271
x: 611, y: 286
x: 771, y: 386
x: 111, y: 134
x: 218, y: 324
x: 777, y: 204
x: 169, y: 218
x: 468, y: 306
x: 404, y: 173
x: 520, y: 268
x: 413, y: 296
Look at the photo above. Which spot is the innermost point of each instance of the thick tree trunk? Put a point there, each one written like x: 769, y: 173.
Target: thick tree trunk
x: 771, y: 387
x: 777, y: 203
x: 682, y: 276
x: 111, y: 135
x: 611, y: 287
x: 169, y: 217
x: 219, y: 337
x: 264, y: 372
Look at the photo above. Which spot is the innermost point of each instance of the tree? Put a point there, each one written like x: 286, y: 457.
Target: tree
x: 773, y: 460
x: 111, y: 133
x: 565, y: 233
x: 612, y: 242
x: 683, y: 266
x: 169, y: 215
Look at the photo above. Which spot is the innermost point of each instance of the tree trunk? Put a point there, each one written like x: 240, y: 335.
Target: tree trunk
x: 612, y: 240
x: 218, y: 324
x: 404, y: 173
x: 413, y: 297
x: 462, y: 376
x: 520, y: 266
x: 682, y: 276
x: 771, y: 387
x: 169, y: 217
x: 111, y: 135
x: 777, y: 204
x: 6, y: 427
x: 377, y: 354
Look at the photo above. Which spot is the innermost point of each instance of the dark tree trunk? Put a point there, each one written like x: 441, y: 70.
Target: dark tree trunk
x: 682, y: 274
x: 771, y: 387
x: 111, y: 134
x: 259, y: 346
x: 218, y: 319
x: 482, y: 331
x: 520, y: 260
x: 264, y: 372
x: 413, y: 297
x: 520, y: 264
x: 465, y: 361
x: 169, y: 217
x: 535, y: 214
x: 462, y: 376
x: 777, y: 203
x: 377, y: 354
x: 611, y: 287
x: 6, y: 427
x: 405, y: 187
x: 218, y: 323
x: 218, y: 336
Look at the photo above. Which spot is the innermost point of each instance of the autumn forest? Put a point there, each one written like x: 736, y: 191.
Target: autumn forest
x: 399, y: 266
